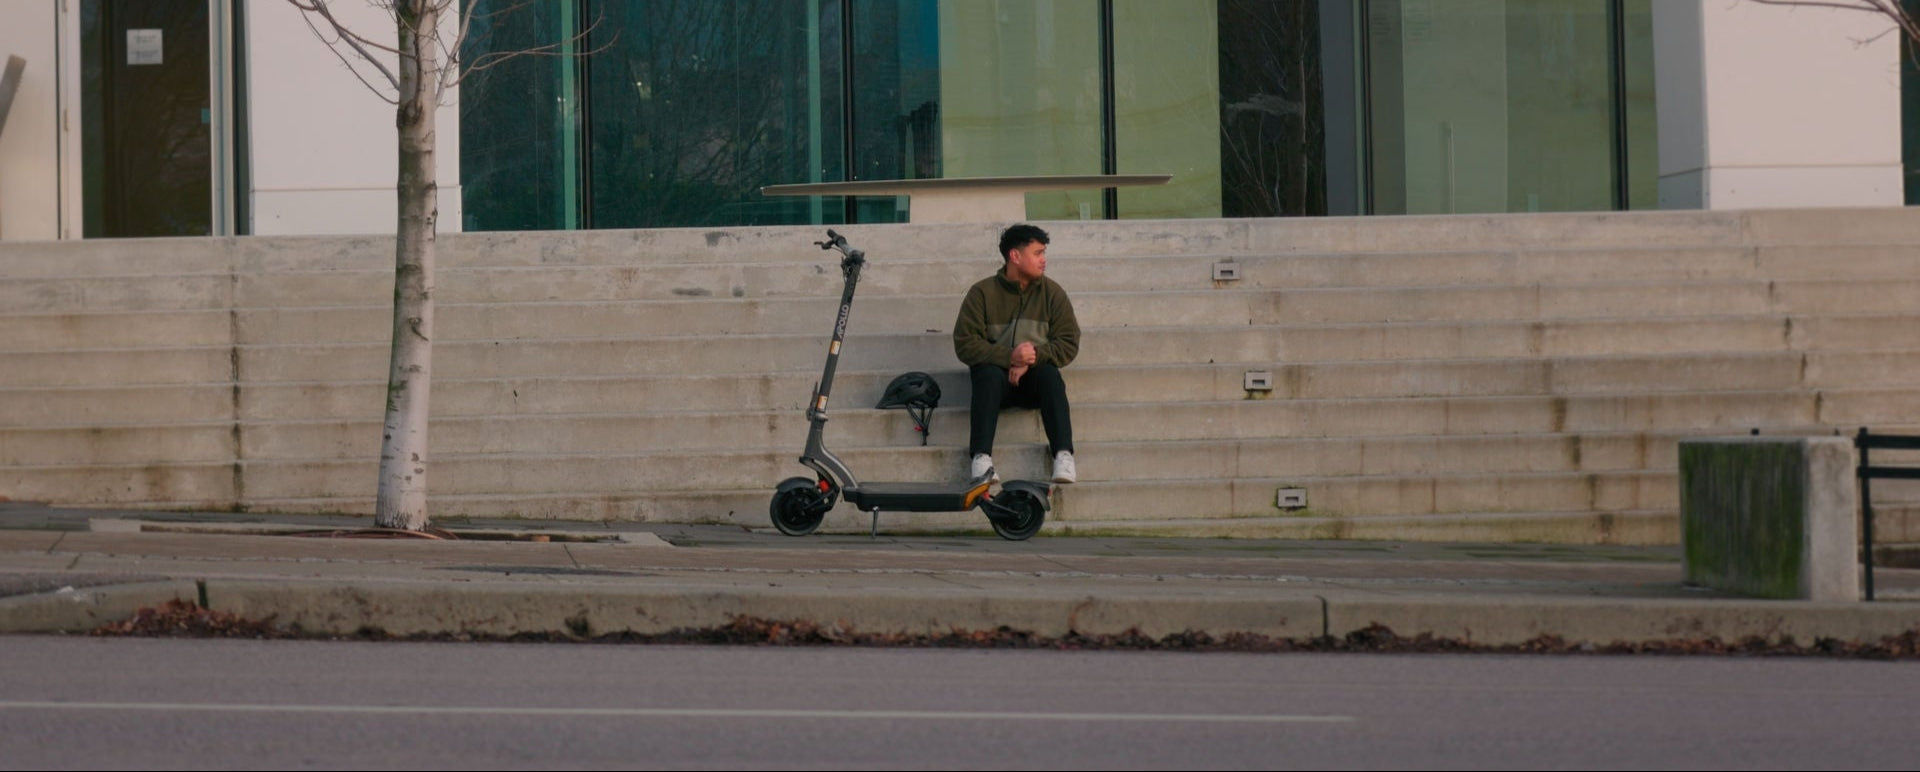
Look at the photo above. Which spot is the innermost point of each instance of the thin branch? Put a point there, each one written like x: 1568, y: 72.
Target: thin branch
x: 344, y: 61
x: 493, y: 58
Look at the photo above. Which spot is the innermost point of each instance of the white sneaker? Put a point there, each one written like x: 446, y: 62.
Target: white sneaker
x: 1063, y: 471
x: 983, y: 465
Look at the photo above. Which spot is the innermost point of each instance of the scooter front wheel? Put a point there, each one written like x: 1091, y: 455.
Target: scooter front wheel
x: 797, y: 506
x: 1029, y: 512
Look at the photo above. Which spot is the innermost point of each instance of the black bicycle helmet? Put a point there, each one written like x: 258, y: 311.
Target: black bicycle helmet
x: 918, y: 393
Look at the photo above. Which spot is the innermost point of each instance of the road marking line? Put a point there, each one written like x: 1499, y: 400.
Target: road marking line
x: 681, y: 712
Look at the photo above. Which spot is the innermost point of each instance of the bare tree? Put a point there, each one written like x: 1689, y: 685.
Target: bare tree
x: 412, y: 72
x: 1894, y: 11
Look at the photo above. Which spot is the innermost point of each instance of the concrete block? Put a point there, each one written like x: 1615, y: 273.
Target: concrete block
x: 1773, y: 517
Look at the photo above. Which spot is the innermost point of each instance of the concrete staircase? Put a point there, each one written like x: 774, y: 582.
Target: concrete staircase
x: 1498, y: 377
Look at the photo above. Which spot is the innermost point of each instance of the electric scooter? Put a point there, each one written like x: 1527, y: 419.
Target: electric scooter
x: 800, y: 503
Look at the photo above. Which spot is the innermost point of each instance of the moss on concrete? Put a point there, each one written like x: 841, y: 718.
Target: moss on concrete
x: 1743, y: 515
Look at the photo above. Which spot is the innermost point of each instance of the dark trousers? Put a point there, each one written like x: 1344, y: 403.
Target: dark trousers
x: 1040, y: 388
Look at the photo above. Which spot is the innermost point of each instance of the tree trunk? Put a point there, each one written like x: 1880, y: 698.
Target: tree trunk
x: 403, y: 450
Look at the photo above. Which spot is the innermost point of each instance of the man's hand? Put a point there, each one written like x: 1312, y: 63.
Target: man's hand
x: 1024, y: 356
x: 1013, y: 376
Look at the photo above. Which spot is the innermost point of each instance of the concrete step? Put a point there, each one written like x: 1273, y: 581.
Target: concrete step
x: 1870, y: 407
x: 950, y: 277
x: 1884, y: 368
x: 1229, y: 429
x: 118, y: 445
x: 1144, y: 328
x: 1643, y: 528
x: 1848, y: 296
x: 161, y: 483
x: 1771, y: 229
x: 1401, y: 353
x: 296, y: 401
x: 112, y: 294
x: 111, y: 406
x: 857, y: 390
x: 700, y: 486
x: 1588, y: 301
x: 371, y: 281
x: 63, y: 260
x: 1896, y: 260
x: 1854, y: 332
x: 140, y: 329
x: 117, y: 368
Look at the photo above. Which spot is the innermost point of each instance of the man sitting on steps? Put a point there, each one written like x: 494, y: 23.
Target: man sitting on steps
x: 1015, y: 331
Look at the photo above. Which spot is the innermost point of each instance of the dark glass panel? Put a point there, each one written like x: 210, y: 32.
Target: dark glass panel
x: 700, y: 103
x: 519, y: 130
x: 1273, y: 143
x: 146, y: 159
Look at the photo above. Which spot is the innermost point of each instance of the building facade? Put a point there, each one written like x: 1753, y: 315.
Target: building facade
x: 211, y: 117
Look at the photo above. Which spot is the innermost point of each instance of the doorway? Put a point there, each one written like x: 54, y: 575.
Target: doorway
x: 146, y: 118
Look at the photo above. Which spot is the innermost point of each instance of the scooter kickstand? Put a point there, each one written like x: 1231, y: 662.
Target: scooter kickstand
x: 873, y: 531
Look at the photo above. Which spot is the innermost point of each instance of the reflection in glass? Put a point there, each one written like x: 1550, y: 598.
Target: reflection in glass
x: 1271, y: 110
x: 146, y: 164
x: 1259, y: 108
x: 895, y: 73
x: 1167, y: 83
x: 520, y: 120
x: 702, y: 102
x: 1020, y: 95
x: 1490, y: 106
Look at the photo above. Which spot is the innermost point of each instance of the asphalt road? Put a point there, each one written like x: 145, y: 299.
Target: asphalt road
x: 75, y: 702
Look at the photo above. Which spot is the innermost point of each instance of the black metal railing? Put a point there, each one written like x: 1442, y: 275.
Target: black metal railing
x: 1867, y: 472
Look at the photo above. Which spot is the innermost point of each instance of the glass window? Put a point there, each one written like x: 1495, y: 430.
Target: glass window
x: 1020, y: 95
x: 520, y: 120
x: 1490, y: 106
x: 145, y: 115
x: 1258, y: 108
x: 1274, y: 109
x: 1167, y: 105
x: 700, y: 103
x: 895, y: 77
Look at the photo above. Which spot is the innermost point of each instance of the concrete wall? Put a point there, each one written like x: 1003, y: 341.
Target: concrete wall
x: 29, y: 142
x: 1774, y: 517
x: 1768, y: 106
x: 324, y: 153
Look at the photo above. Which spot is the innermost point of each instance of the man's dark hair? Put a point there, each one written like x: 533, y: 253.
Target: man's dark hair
x: 1019, y: 236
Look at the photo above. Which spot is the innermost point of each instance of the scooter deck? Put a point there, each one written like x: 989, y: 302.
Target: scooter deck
x: 916, y: 496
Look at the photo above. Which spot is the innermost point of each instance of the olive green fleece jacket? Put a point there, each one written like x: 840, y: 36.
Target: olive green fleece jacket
x: 1045, y: 319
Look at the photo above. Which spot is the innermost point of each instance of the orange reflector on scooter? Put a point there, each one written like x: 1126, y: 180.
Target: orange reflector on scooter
x: 973, y: 496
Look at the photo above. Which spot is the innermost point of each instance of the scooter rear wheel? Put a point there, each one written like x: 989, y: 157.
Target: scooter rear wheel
x: 797, y: 506
x: 1029, y: 513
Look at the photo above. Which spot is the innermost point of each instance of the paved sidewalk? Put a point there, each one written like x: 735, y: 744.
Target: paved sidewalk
x: 70, y: 570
